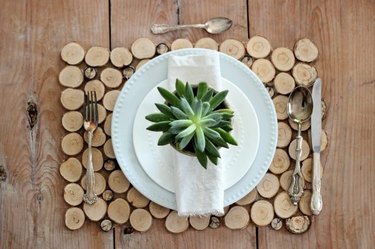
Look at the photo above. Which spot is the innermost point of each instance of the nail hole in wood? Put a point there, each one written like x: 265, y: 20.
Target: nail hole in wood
x: 3, y: 174
x: 32, y: 114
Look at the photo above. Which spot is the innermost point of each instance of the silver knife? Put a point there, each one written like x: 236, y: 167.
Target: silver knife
x: 316, y: 127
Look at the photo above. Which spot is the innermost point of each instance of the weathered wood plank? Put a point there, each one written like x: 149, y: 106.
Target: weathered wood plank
x: 343, y: 31
x: 31, y: 195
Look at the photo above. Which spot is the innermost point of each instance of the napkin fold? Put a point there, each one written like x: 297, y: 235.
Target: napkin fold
x: 199, y: 191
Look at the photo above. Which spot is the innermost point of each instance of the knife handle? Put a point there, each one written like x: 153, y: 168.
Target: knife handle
x: 316, y: 199
x: 296, y: 186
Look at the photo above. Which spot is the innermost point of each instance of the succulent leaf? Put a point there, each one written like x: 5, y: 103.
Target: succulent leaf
x: 185, y: 106
x: 185, y: 141
x: 226, y: 136
x: 160, y: 126
x: 177, y: 113
x: 169, y: 97
x: 202, y: 158
x: 218, y: 99
x: 157, y: 117
x: 202, y: 89
x: 186, y: 132
x: 201, y: 142
x: 164, y: 109
x: 166, y: 138
x: 189, y: 94
x: 180, y: 87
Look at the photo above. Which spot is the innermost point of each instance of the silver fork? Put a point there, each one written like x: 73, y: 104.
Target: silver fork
x: 90, y: 123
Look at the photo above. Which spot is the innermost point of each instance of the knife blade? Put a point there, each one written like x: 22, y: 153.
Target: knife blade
x: 316, y: 127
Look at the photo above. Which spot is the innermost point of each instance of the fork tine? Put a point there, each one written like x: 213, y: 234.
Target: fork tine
x: 86, y: 106
x: 96, y: 117
x: 91, y: 106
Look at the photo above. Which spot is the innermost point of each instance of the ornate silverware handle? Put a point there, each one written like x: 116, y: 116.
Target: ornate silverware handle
x: 164, y: 28
x: 90, y: 196
x: 296, y: 186
x: 316, y: 199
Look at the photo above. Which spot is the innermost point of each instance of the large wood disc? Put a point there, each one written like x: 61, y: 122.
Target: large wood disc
x: 72, y: 144
x: 97, y: 56
x: 140, y: 220
x: 237, y: 218
x: 71, y: 169
x: 280, y: 162
x: 258, y: 47
x: 118, y: 182
x: 262, y: 213
x: 119, y: 211
x: 284, y: 208
x: 96, y: 211
x: 268, y: 186
x: 175, y: 223
x: 74, y: 218
x: 71, y: 76
x: 72, y: 53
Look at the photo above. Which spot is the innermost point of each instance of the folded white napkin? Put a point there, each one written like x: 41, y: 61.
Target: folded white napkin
x: 199, y: 191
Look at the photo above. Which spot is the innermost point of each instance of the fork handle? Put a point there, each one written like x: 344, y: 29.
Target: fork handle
x: 90, y: 197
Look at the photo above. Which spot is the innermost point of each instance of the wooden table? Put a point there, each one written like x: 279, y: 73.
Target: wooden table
x: 32, y: 35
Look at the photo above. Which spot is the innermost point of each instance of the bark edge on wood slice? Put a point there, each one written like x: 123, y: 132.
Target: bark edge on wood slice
x: 298, y: 224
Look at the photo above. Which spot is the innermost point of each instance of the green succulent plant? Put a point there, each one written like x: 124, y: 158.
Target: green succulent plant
x: 194, y: 119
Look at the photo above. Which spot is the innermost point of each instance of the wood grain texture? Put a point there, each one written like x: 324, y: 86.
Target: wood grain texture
x: 31, y: 196
x: 344, y: 33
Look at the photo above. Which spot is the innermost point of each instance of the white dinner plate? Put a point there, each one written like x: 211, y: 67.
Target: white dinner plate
x: 154, y: 72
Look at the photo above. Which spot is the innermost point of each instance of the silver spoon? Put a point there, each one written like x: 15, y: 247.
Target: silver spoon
x: 299, y: 110
x: 213, y: 26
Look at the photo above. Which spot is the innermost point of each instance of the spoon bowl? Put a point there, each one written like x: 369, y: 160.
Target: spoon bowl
x: 217, y: 25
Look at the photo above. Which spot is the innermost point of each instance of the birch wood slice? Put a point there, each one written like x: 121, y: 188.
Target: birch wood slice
x: 107, y: 195
x: 307, y: 169
x: 108, y: 149
x: 280, y: 102
x: 118, y: 182
x: 127, y: 72
x: 258, y: 47
x: 181, y: 43
x: 233, y: 48
x: 71, y: 169
x: 284, y: 208
x: 305, y: 50
x: 72, y: 53
x: 247, y: 60
x: 305, y: 150
x: 98, y: 138
x: 137, y: 199
x: 72, y: 99
x: 199, y: 222
x: 162, y: 48
x: 280, y: 162
x: 97, y: 56
x: 175, y: 223
x: 111, y: 77
x: 277, y: 223
x: 262, y: 213
x: 298, y: 224
x: 89, y: 73
x: 283, y: 59
x: 109, y: 99
x: 264, y: 69
x: 73, y: 194
x: 207, y: 43
x: 74, y: 218
x: 71, y: 76
x: 119, y: 211
x: 304, y: 74
x: 72, y: 144
x: 102, y: 113
x: 100, y: 183
x: 286, y: 179
x: 284, y: 83
x: 268, y: 186
x: 121, y: 57
x: 237, y: 218
x: 304, y: 203
x: 141, y: 63
x: 270, y: 91
x: 249, y: 198
x: 109, y: 164
x: 97, y: 159
x: 214, y: 222
x: 97, y: 86
x: 108, y: 124
x: 140, y: 220
x: 159, y: 212
x: 284, y: 135
x: 96, y: 211
x: 72, y: 121
x: 304, y: 127
x: 106, y: 225
x: 143, y: 48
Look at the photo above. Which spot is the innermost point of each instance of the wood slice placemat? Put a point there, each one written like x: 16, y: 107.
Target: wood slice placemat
x: 105, y: 71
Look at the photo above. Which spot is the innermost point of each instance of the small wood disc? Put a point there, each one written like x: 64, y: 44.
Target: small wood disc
x: 89, y: 73
x: 181, y: 43
x: 109, y: 99
x: 286, y: 179
x: 71, y: 169
x: 249, y: 198
x: 100, y: 183
x: 97, y: 56
x: 106, y: 225
x: 143, y: 48
x: 96, y: 86
x: 307, y: 169
x: 258, y: 47
x: 298, y: 224
x: 284, y: 83
x: 208, y: 43
x: 270, y: 91
x: 74, y: 218
x: 96, y: 211
x: 284, y: 135
x: 304, y: 203
x: 233, y: 48
x: 107, y: 125
x: 118, y: 182
x: 175, y: 223
x: 159, y: 212
x: 277, y: 223
x: 304, y: 127
x: 72, y: 144
x: 284, y: 208
x: 72, y: 99
x: 262, y: 213
x: 108, y: 195
x: 264, y: 69
x: 128, y: 72
x: 280, y: 103
x: 136, y: 199
x: 214, y: 222
x: 280, y: 162
x: 199, y: 222
x: 304, y: 74
x: 111, y: 77
x: 72, y: 53
x: 247, y: 60
x: 98, y: 138
x: 102, y: 113
x: 109, y: 164
x: 268, y: 186
x: 121, y: 57
x: 162, y: 48
x: 141, y: 63
x: 108, y: 149
x: 73, y: 194
x: 305, y: 150
x: 71, y: 76
x: 97, y: 159
x: 237, y: 218
x: 283, y: 59
x: 305, y: 50
x: 72, y: 121
x: 140, y: 220
x: 119, y: 211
